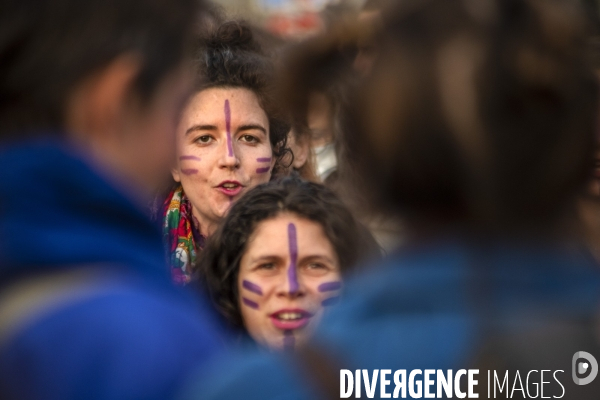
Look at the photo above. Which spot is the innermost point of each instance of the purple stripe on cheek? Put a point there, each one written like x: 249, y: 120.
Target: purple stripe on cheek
x: 228, y: 128
x: 250, y: 303
x: 253, y: 287
x: 292, y: 275
x: 329, y: 286
x: 262, y: 170
x: 189, y: 171
x: 264, y: 159
x: 330, y: 301
x: 189, y: 158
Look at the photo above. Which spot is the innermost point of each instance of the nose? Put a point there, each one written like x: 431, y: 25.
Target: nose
x: 228, y: 157
x: 294, y: 288
x: 290, y: 286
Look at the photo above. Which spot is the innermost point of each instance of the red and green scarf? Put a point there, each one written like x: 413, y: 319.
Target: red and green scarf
x: 181, y: 235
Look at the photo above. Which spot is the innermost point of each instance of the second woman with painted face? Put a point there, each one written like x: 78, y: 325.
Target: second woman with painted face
x: 230, y: 138
x: 277, y: 260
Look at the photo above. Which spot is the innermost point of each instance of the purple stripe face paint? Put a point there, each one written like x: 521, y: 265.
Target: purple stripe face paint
x: 292, y: 273
x: 330, y: 301
x: 189, y: 171
x: 289, y: 341
x: 253, y: 287
x: 264, y: 159
x: 228, y: 128
x: 262, y: 170
x: 329, y: 286
x: 189, y: 158
x: 250, y: 303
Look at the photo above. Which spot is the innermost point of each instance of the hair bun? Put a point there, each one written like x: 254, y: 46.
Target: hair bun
x: 233, y: 36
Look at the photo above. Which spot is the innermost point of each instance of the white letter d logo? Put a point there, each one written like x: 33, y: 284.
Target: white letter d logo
x: 583, y: 367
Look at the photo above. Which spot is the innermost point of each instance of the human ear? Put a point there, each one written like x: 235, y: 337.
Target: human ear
x: 175, y: 174
x: 98, y: 106
x: 301, y: 152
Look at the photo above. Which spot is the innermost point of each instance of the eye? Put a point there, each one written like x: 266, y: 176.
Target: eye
x: 317, y: 266
x: 249, y: 139
x: 266, y: 266
x: 204, y: 139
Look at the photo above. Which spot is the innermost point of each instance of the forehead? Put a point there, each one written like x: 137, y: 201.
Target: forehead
x: 271, y: 237
x: 209, y: 106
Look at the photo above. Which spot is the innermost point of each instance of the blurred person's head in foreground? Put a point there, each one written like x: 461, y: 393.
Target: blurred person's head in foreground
x: 370, y: 22
x: 90, y: 93
x: 587, y: 220
x: 102, y: 77
x: 230, y: 138
x: 278, y: 259
x: 469, y: 126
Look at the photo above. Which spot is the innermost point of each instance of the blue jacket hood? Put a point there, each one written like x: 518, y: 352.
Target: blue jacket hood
x: 56, y: 211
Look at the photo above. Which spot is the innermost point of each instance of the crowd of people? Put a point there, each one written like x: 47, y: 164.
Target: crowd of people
x: 193, y: 208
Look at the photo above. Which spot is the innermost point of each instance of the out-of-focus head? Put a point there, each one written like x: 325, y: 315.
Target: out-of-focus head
x: 485, y: 112
x: 476, y: 113
x: 232, y: 134
x: 108, y: 76
x: 593, y: 190
x: 277, y: 258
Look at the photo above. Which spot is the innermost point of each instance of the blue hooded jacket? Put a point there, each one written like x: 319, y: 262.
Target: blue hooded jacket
x: 131, y: 334
x: 428, y: 308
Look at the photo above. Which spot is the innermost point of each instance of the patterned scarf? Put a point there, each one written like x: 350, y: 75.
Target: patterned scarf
x: 181, y: 236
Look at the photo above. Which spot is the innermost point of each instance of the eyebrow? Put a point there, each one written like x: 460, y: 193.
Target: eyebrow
x: 200, y: 128
x: 317, y: 257
x: 265, y: 258
x: 250, y: 127
x: 300, y: 261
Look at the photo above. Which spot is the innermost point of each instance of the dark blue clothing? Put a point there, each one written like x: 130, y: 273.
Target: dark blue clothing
x: 424, y: 309
x: 135, y: 335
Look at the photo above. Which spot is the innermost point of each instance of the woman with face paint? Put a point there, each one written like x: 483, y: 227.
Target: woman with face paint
x: 277, y: 261
x: 230, y: 138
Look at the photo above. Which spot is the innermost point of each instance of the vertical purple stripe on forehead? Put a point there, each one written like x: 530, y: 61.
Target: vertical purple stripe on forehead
x: 250, y: 303
x: 253, y: 287
x: 289, y: 341
x: 228, y: 128
x: 330, y: 301
x: 262, y: 170
x: 292, y: 273
x: 264, y: 159
x: 329, y: 286
x: 189, y: 171
x: 189, y: 158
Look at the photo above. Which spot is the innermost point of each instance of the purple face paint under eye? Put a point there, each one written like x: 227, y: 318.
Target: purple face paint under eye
x: 250, y: 303
x: 189, y: 158
x: 289, y: 341
x: 189, y: 171
x: 262, y: 170
x: 292, y: 276
x: 253, y: 287
x: 228, y: 128
x: 330, y: 301
x: 329, y: 286
x: 264, y: 159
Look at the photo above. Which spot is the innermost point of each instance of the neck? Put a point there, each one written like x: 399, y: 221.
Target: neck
x: 205, y: 226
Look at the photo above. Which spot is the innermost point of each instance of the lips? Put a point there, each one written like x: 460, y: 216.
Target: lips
x: 289, y: 319
x: 230, y: 188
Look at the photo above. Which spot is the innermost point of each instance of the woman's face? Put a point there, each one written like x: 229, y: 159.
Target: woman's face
x: 223, y: 150
x: 288, y: 275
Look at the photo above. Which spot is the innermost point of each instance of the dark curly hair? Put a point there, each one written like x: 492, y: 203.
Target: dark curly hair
x: 216, y: 271
x: 230, y: 57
